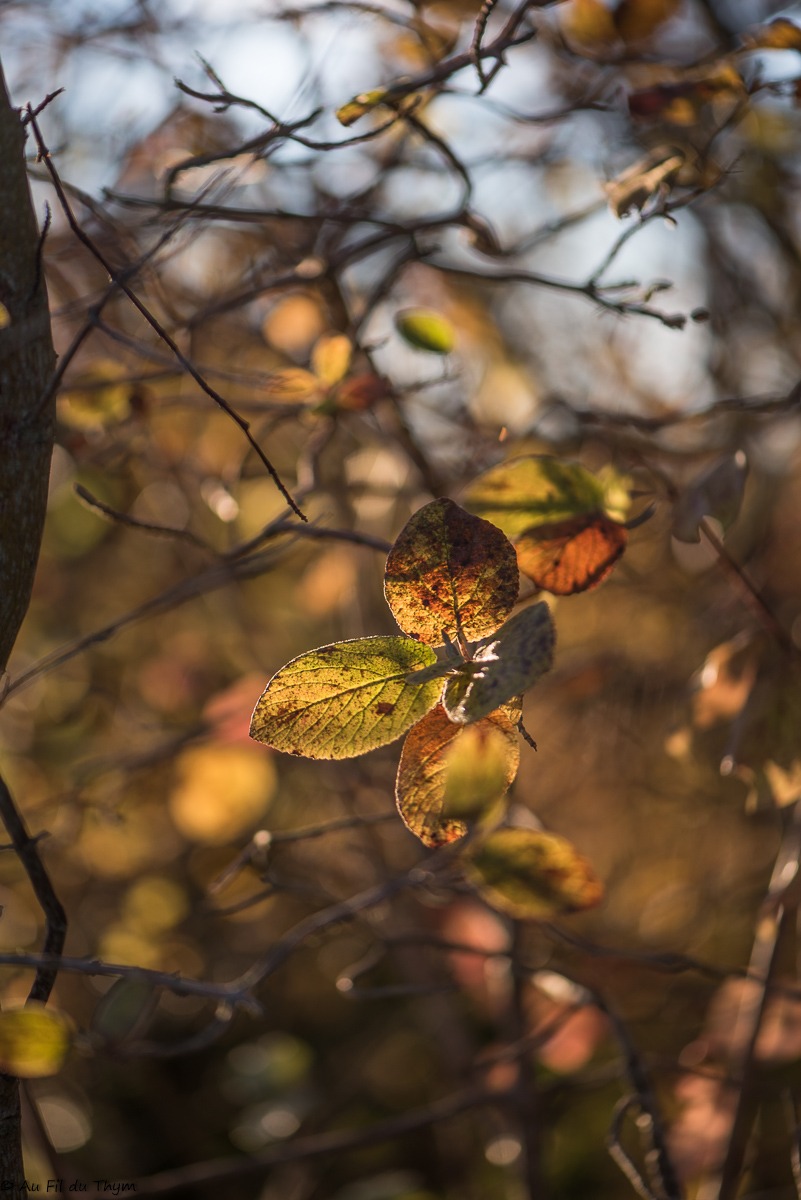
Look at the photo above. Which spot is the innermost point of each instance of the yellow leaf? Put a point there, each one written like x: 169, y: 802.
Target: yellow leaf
x: 221, y: 792
x: 447, y: 773
x: 780, y: 34
x: 365, y: 102
x: 99, y: 397
x: 450, y: 574
x: 347, y: 698
x: 532, y: 875
x: 293, y: 385
x: 331, y: 358
x: 426, y: 330
x: 34, y: 1041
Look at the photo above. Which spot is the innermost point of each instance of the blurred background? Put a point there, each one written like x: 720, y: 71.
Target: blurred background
x: 606, y: 223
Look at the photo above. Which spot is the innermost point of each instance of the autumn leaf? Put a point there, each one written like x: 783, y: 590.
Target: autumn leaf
x: 450, y: 575
x: 780, y: 34
x: 364, y: 103
x: 502, y: 667
x: 347, y: 698
x: 532, y: 875
x: 448, y: 772
x: 34, y: 1041
x: 571, y: 556
x: 653, y: 175
x: 331, y: 358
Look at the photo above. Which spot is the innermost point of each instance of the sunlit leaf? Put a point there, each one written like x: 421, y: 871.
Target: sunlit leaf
x: 780, y: 34
x: 571, y: 556
x: 331, y: 358
x: 450, y: 574
x: 717, y: 493
x: 347, y: 698
x: 540, y: 490
x: 364, y: 103
x: 532, y: 875
x: 503, y: 666
x: 34, y: 1041
x: 426, y: 330
x: 441, y: 768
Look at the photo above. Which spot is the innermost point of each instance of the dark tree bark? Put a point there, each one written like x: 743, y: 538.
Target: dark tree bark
x: 27, y: 360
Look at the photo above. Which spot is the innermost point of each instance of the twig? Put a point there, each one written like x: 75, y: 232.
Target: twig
x: 619, y: 1155
x: 55, y: 917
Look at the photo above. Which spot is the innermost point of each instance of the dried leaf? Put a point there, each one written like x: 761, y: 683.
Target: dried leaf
x: 34, y: 1041
x: 364, y: 103
x: 426, y: 330
x: 571, y: 556
x: 649, y: 176
x: 532, y: 875
x: 450, y: 574
x: 780, y: 34
x: 444, y: 776
x: 347, y: 698
x: 503, y: 667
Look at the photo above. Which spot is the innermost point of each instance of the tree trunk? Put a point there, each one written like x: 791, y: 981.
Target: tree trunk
x: 27, y: 360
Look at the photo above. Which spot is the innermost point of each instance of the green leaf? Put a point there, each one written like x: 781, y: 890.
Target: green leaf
x: 450, y: 574
x: 522, y: 493
x: 502, y: 667
x: 532, y: 875
x: 124, y: 1009
x: 34, y: 1041
x: 347, y: 698
x: 447, y: 772
x: 425, y: 330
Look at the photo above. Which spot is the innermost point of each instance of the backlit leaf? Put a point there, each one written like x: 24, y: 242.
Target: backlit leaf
x: 445, y: 775
x: 571, y: 556
x: 503, y: 666
x: 34, y: 1041
x: 539, y: 490
x: 532, y: 875
x: 347, y: 698
x: 425, y: 330
x: 293, y: 385
x: 364, y: 103
x: 450, y: 573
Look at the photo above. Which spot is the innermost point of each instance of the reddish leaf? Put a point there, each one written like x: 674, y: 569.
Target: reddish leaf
x: 571, y: 556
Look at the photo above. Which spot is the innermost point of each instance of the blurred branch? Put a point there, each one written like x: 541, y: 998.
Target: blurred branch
x: 118, y: 279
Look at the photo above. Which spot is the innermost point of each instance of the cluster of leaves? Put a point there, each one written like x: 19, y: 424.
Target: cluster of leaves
x: 455, y: 681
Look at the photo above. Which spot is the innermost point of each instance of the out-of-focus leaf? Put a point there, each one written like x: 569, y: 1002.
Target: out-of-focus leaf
x: 347, y: 698
x: 592, y: 25
x: 780, y: 34
x: 639, y: 19
x: 539, y: 490
x: 571, y: 556
x: 650, y: 176
x: 360, y: 392
x: 532, y: 875
x: 717, y: 493
x: 364, y: 103
x: 100, y: 397
x: 123, y: 1009
x: 426, y: 330
x: 503, y: 667
x: 331, y: 358
x: 449, y: 574
x: 34, y: 1041
x: 293, y: 385
x: 444, y: 775
x: 221, y: 791
x: 681, y: 102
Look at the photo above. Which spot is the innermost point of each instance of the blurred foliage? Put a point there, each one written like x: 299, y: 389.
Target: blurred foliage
x: 598, y: 237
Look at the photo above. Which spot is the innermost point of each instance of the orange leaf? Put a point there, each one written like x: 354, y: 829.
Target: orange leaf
x: 571, y: 556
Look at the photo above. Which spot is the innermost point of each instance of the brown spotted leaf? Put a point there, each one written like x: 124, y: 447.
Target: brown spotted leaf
x: 503, y: 666
x: 532, y: 875
x: 450, y: 574
x: 444, y: 776
x: 347, y: 698
x: 571, y: 556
